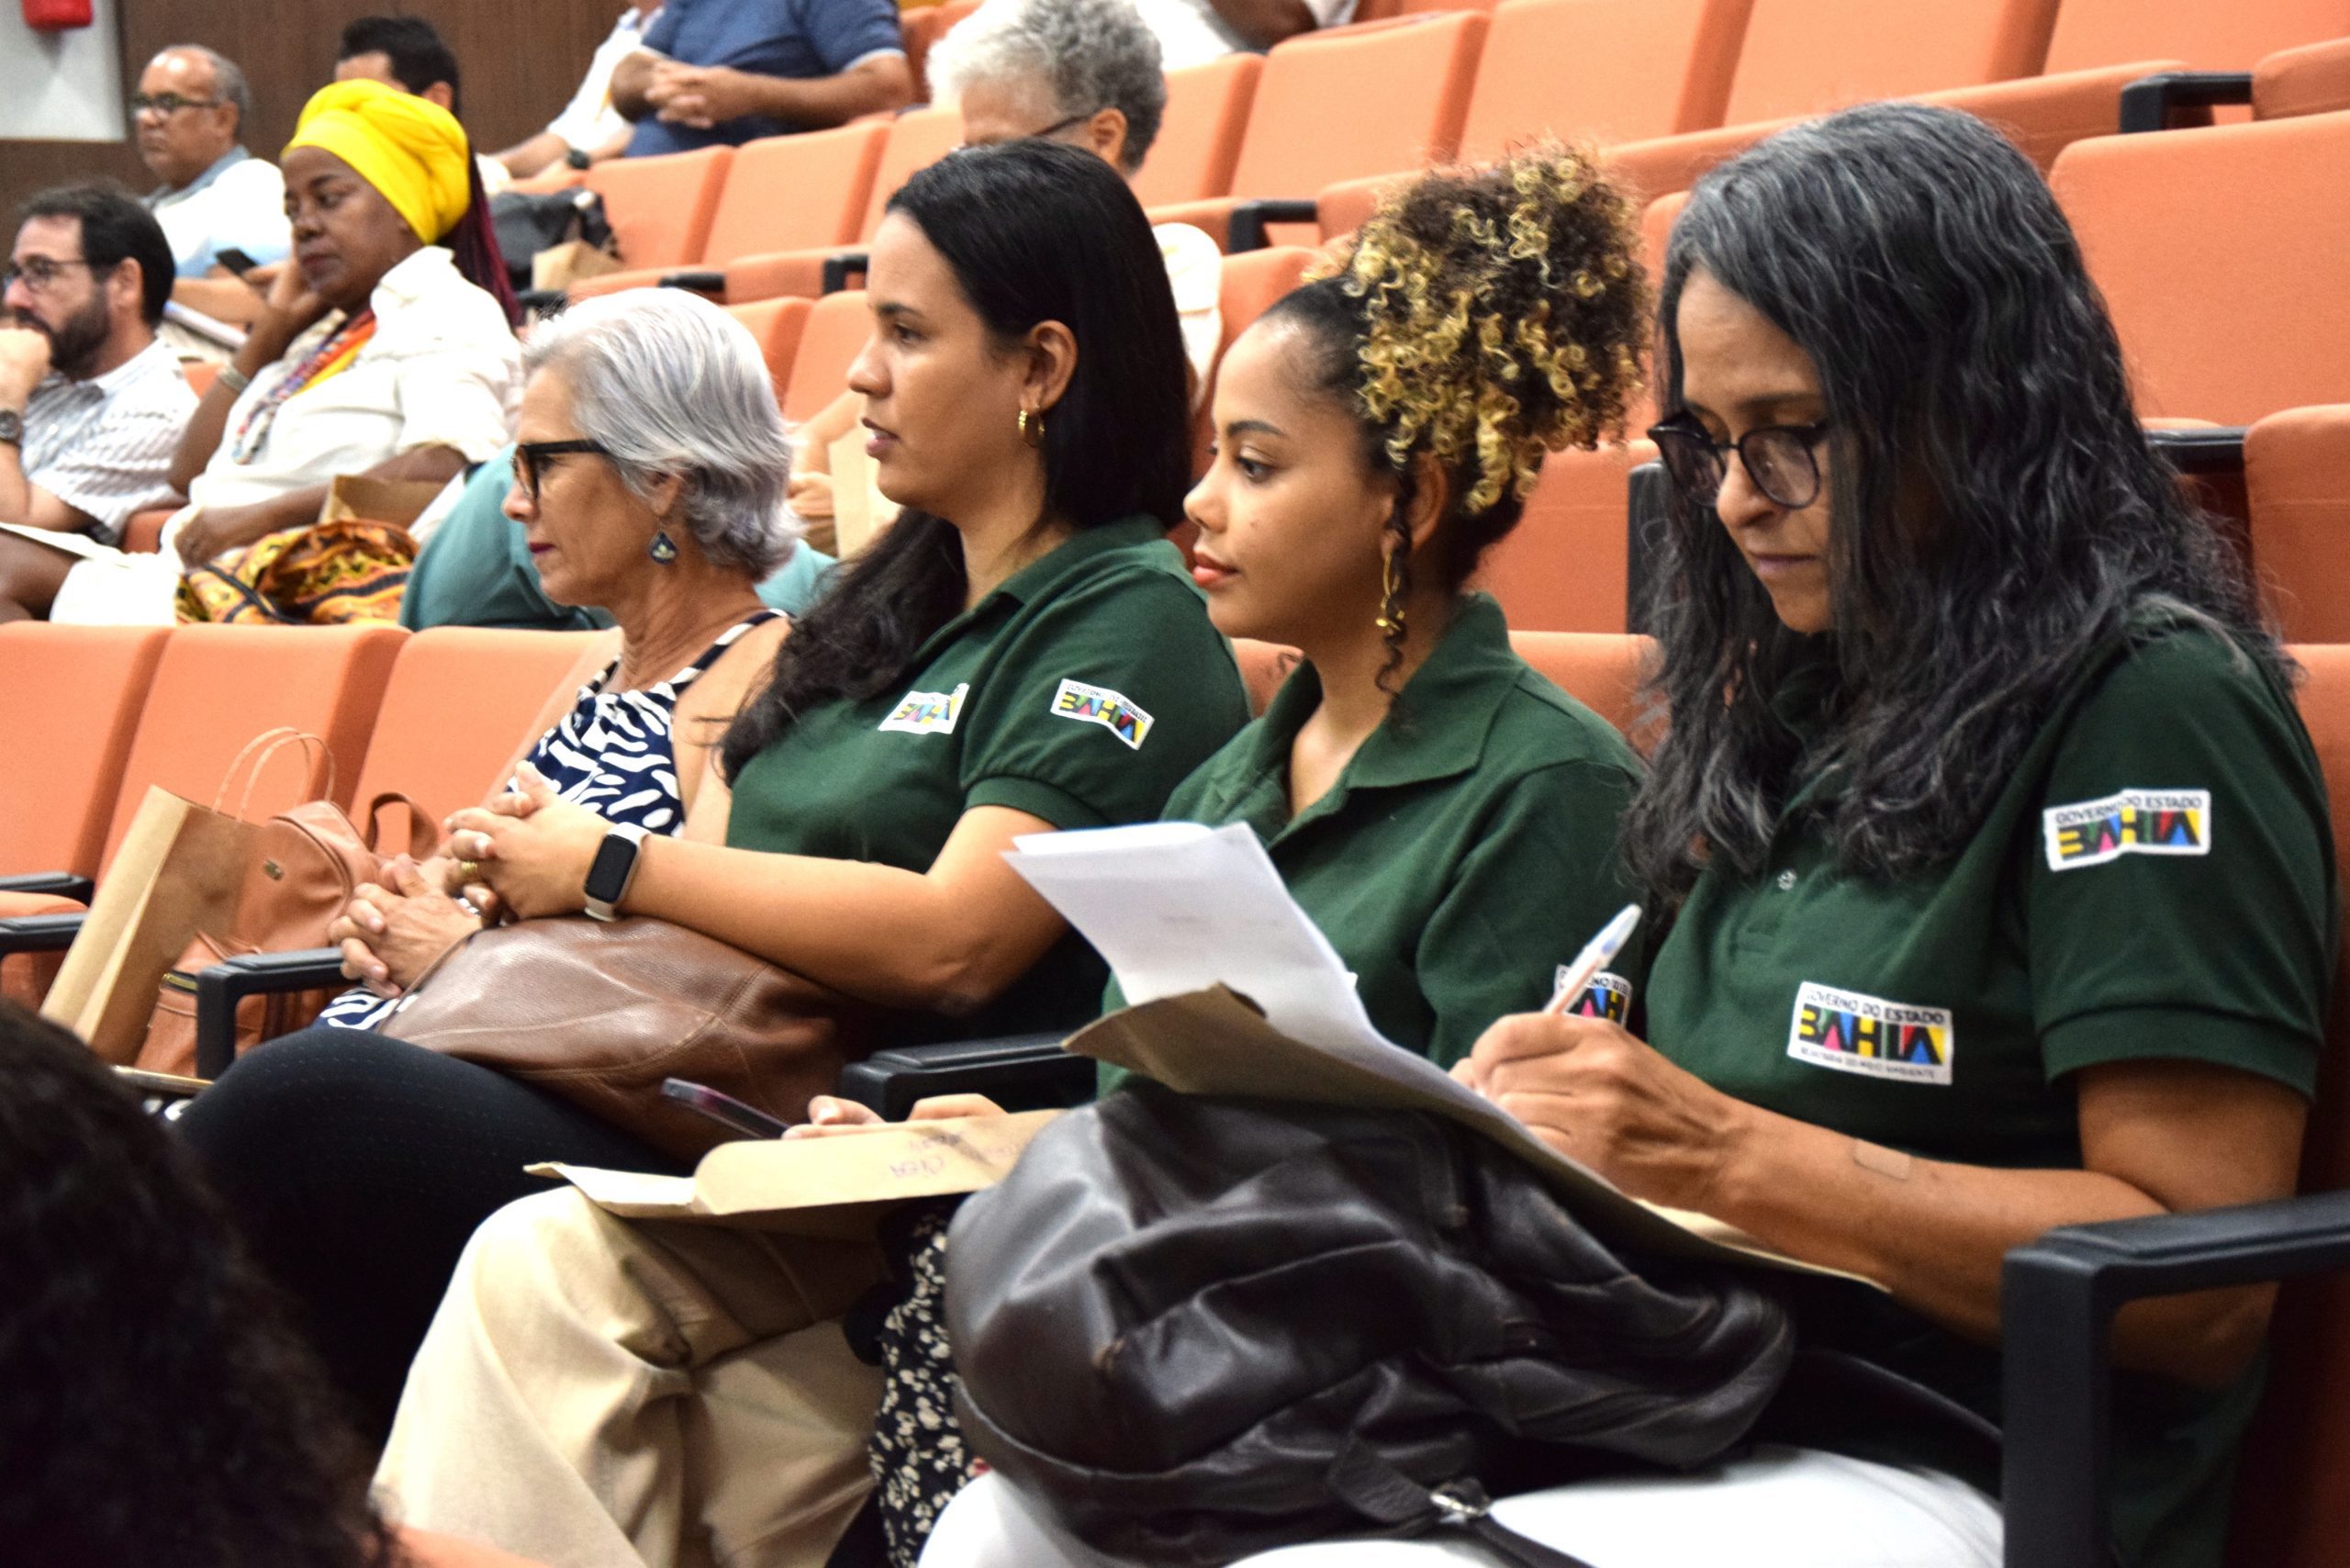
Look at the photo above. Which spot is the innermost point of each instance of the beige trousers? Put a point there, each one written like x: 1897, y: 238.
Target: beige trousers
x: 600, y: 1393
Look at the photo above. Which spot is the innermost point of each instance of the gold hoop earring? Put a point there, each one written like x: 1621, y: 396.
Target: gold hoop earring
x: 1390, y: 603
x: 1032, y: 427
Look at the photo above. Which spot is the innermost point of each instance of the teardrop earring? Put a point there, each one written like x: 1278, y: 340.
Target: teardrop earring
x: 663, y: 549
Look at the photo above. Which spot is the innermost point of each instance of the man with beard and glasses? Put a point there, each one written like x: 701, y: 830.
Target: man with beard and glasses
x: 91, y: 404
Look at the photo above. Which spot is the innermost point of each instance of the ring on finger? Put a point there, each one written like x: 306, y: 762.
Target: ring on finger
x: 469, y: 869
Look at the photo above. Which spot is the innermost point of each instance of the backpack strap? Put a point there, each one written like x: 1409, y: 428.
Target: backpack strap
x: 1374, y: 1488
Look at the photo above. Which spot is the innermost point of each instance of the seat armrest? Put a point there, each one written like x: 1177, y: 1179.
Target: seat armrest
x: 700, y: 280
x: 2058, y: 1298
x: 839, y: 268
x: 1245, y: 228
x: 1019, y: 1073
x: 2211, y: 449
x: 219, y: 987
x: 39, y: 932
x: 2150, y: 104
x: 57, y: 884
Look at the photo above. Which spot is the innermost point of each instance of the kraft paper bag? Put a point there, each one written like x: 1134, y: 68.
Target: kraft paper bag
x: 357, y: 498
x: 180, y: 868
x: 574, y: 260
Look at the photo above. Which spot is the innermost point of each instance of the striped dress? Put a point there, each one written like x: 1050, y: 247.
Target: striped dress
x: 614, y: 753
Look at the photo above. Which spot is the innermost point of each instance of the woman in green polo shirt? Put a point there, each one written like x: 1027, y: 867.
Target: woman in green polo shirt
x: 2004, y: 880
x: 1025, y: 386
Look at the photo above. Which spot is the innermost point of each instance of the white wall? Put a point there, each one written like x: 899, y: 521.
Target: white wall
x: 60, y: 87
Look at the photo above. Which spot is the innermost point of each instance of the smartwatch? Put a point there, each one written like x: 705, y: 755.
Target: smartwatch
x: 615, y: 864
x: 12, y: 428
x: 576, y: 158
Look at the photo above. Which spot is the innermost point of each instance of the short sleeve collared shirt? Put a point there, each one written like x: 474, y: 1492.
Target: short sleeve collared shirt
x: 800, y: 39
x: 237, y: 204
x: 103, y: 447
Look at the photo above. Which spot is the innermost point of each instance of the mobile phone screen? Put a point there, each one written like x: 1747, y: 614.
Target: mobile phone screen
x: 235, y: 260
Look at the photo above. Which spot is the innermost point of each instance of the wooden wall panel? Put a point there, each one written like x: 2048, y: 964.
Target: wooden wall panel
x: 520, y: 60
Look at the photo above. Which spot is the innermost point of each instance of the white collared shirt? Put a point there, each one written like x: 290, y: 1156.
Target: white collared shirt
x: 442, y: 369
x: 103, y: 447
x: 237, y: 204
x: 1192, y: 32
x: 589, y: 120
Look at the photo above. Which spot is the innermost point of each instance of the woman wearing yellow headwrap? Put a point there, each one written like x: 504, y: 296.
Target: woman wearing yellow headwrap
x: 385, y: 348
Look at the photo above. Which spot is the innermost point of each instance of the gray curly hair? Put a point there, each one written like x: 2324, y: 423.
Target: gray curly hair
x: 668, y: 383
x: 1090, y: 55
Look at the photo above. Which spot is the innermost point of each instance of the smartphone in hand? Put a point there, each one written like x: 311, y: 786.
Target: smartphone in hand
x: 235, y: 260
x: 723, y: 1108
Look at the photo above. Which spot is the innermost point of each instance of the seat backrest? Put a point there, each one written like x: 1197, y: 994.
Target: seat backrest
x: 1803, y: 57
x: 918, y: 139
x: 660, y: 208
x: 837, y: 327
x: 2296, y: 485
x: 1567, y: 565
x: 1333, y: 107
x: 778, y: 325
x: 2224, y: 254
x: 217, y: 687
x: 2292, y: 1509
x: 2311, y: 80
x: 2206, y: 35
x: 1603, y: 672
x: 79, y: 690
x: 795, y: 192
x: 455, y: 712
x: 1641, y: 69
x: 1199, y: 141
x: 1247, y: 287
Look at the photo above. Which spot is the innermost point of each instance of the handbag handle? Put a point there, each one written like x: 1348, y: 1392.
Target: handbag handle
x: 421, y: 837
x: 269, y: 743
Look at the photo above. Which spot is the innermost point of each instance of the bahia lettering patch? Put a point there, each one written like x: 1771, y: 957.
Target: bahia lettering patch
x: 928, y: 712
x: 1867, y: 1034
x: 1609, y: 996
x: 1100, y: 705
x: 2135, y: 822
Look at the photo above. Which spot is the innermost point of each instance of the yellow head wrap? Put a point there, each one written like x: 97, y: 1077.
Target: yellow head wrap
x: 410, y: 148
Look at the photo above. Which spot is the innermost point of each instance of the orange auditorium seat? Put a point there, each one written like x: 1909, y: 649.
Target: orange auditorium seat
x: 2311, y: 80
x: 2205, y: 36
x: 1246, y: 288
x: 81, y: 689
x: 2297, y: 480
x: 838, y: 325
x: 660, y: 209
x: 1601, y: 671
x: 923, y: 25
x: 1198, y: 140
x: 1567, y: 565
x: 915, y: 139
x: 2222, y: 253
x: 782, y: 193
x: 777, y: 324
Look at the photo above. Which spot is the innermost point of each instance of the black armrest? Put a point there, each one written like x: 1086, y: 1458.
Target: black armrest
x: 225, y: 984
x: 1245, y: 230
x: 2149, y: 103
x: 1019, y: 1073
x: 699, y: 281
x: 840, y: 267
x: 58, y: 884
x: 2219, y: 449
x: 2058, y: 1298
x: 39, y: 932
x: 540, y: 303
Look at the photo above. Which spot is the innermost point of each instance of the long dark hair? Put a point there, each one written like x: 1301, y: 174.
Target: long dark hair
x: 1997, y: 514
x: 1033, y: 231
x: 473, y: 242
x: 159, y: 1409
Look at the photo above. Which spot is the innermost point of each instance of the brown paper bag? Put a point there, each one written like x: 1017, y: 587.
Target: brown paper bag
x: 180, y: 868
x: 559, y: 266
x: 357, y: 498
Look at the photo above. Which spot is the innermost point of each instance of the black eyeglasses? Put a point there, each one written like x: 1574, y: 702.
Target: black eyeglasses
x: 530, y: 460
x: 1781, y: 460
x: 39, y: 272
x: 168, y: 102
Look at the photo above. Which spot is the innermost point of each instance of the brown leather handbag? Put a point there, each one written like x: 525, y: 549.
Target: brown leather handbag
x: 600, y: 1014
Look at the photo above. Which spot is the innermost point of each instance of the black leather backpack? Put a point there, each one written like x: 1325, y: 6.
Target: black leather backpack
x: 1196, y: 1328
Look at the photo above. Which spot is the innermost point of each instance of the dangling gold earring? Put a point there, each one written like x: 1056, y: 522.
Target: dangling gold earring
x: 1391, y: 606
x: 1032, y: 427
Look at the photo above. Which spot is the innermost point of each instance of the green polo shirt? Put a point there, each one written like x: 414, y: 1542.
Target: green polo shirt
x: 1079, y: 691
x: 1467, y: 850
x: 2155, y: 881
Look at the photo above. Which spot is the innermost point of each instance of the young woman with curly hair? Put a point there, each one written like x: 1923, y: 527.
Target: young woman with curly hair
x: 1447, y: 815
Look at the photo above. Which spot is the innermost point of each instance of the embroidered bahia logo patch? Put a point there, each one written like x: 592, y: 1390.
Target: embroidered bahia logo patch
x: 1609, y: 996
x: 1100, y: 705
x: 1852, y: 1032
x: 928, y: 712
x: 2135, y: 822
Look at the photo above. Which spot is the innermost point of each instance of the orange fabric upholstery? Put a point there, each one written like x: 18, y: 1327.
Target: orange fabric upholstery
x: 660, y: 209
x: 2044, y: 114
x: 1247, y: 286
x: 916, y: 139
x: 2220, y: 251
x: 2297, y: 479
x: 2208, y: 36
x: 1566, y: 566
x: 1601, y: 671
x: 837, y: 326
x: 79, y: 690
x: 455, y: 712
x: 425, y: 1549
x: 1642, y: 68
x: 1348, y: 102
x: 1199, y: 141
x: 201, y: 374
x: 1804, y: 57
x: 1263, y: 667
x: 782, y: 193
x: 924, y: 27
x: 2292, y: 1509
x: 2311, y: 80
x: 777, y: 323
